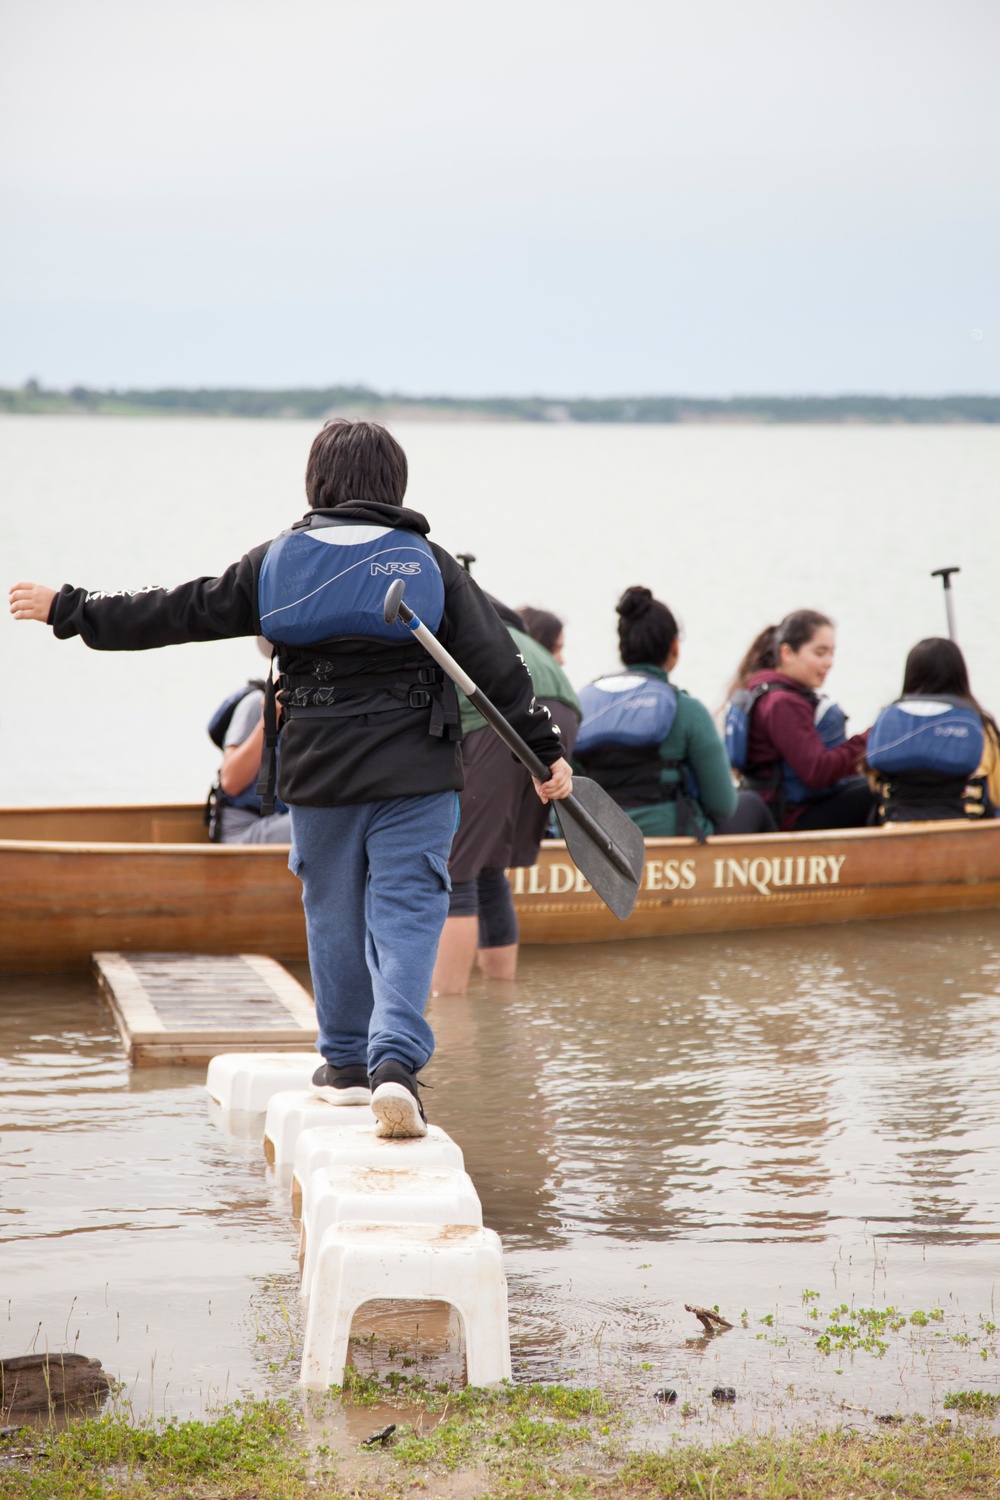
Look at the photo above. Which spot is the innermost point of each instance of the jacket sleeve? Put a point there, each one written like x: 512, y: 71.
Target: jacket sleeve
x: 472, y: 631
x: 707, y: 758
x: 789, y: 723
x: 206, y: 609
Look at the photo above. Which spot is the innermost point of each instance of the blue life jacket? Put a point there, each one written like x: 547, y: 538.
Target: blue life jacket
x: 627, y: 708
x: 831, y: 726
x: 939, y: 736
x: 829, y: 719
x: 327, y: 578
x: 249, y: 799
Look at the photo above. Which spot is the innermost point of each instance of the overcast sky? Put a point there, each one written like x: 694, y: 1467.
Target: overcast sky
x: 558, y: 196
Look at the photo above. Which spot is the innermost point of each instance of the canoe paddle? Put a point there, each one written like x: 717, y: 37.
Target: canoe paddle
x: 607, y: 847
x: 949, y: 608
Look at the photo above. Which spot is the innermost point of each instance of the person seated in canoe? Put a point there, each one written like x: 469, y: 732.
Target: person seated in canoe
x: 786, y: 739
x: 234, y: 810
x: 935, y: 752
x: 501, y: 823
x: 652, y: 746
x: 371, y: 757
x: 545, y: 628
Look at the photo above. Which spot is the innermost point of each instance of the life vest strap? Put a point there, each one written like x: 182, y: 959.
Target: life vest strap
x: 269, y: 758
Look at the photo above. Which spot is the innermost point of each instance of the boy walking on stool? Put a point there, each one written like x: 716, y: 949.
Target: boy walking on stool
x: 370, y: 739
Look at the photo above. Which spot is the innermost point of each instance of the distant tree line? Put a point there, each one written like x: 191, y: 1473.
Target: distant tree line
x: 358, y: 400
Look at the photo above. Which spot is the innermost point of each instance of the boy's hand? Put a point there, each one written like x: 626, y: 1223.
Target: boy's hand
x: 559, y: 784
x: 31, y: 601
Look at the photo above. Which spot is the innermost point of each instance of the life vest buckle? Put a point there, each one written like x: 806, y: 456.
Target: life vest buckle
x: 419, y: 697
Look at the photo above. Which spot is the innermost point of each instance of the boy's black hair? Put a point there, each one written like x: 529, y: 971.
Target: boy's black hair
x: 355, y: 461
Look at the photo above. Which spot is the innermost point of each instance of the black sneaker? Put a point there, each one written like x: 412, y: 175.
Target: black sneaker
x: 396, y: 1104
x: 342, y: 1085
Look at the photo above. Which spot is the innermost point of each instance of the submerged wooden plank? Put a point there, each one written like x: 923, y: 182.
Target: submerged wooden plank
x: 186, y: 1008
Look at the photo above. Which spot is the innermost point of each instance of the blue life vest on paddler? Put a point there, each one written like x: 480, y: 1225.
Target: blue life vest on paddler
x: 829, y: 720
x: 218, y: 726
x: 326, y: 579
x: 924, y: 750
x: 626, y: 717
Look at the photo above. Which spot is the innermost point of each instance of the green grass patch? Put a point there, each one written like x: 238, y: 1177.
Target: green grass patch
x: 512, y: 1443
x: 247, y: 1450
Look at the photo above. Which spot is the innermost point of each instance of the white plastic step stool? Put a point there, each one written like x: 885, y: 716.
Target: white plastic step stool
x: 332, y: 1147
x: 247, y: 1080
x: 291, y: 1112
x: 454, y: 1263
x: 389, y: 1195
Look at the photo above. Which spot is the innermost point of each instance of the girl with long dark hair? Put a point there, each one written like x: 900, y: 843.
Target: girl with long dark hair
x: 925, y: 728
x: 804, y: 768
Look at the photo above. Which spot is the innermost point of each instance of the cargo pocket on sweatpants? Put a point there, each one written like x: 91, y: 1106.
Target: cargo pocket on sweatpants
x: 440, y: 868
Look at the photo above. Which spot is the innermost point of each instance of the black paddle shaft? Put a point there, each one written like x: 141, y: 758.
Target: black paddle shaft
x: 396, y: 609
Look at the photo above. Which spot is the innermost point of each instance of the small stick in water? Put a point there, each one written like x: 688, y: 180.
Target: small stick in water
x: 711, y: 1321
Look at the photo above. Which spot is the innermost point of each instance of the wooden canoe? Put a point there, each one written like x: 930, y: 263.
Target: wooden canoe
x: 76, y: 880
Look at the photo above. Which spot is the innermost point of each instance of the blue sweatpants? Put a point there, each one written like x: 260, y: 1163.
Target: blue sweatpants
x: 375, y: 890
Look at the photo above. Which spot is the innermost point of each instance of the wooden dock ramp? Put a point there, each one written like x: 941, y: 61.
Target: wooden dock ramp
x: 189, y: 1007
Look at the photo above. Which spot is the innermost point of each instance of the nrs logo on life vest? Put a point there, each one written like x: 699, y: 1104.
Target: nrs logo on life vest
x: 406, y: 568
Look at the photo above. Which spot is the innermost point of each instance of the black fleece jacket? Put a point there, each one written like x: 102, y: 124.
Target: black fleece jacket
x: 330, y: 762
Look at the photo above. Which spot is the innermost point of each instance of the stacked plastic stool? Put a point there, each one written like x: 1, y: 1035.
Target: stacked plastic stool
x: 381, y: 1195
x: 381, y: 1219
x: 245, y: 1082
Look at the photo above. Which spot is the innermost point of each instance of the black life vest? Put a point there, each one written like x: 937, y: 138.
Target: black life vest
x: 324, y: 581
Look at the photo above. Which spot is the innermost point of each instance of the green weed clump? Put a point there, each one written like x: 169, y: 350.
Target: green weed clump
x: 982, y: 1403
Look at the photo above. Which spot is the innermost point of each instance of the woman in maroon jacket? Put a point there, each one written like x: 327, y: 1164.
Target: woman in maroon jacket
x: 790, y: 663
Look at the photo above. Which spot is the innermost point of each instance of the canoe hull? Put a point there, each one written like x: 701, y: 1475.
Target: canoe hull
x: 61, y: 899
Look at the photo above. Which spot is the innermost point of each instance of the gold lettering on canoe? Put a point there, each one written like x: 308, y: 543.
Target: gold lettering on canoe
x: 519, y: 881
x: 582, y: 886
x: 720, y: 866
x: 817, y: 869
x: 562, y: 878
x: 534, y: 875
x: 836, y: 863
x: 779, y: 876
x: 654, y: 875
x: 737, y: 868
x: 800, y: 870
x: 688, y: 874
x: 671, y: 875
x: 760, y: 874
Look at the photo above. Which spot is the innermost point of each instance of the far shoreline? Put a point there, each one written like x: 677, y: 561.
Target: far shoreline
x: 355, y: 402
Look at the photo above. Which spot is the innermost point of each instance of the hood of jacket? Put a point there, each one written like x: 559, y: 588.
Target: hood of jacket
x: 782, y: 680
x: 372, y: 513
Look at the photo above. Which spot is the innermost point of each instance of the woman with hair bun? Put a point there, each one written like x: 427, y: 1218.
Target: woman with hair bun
x: 787, y: 738
x: 652, y: 746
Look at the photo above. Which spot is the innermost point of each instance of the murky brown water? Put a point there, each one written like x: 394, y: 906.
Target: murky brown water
x: 732, y: 1121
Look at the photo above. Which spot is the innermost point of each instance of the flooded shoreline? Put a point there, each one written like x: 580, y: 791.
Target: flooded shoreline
x: 802, y: 1128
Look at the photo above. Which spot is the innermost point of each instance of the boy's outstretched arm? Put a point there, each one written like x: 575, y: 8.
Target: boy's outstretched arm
x: 31, y: 601
x: 206, y: 609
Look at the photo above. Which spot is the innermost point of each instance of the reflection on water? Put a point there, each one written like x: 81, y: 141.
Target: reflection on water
x: 747, y: 1087
x: 723, y: 1120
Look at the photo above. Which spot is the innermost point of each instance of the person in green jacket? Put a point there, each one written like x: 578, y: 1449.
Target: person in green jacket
x: 656, y: 750
x: 498, y: 827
